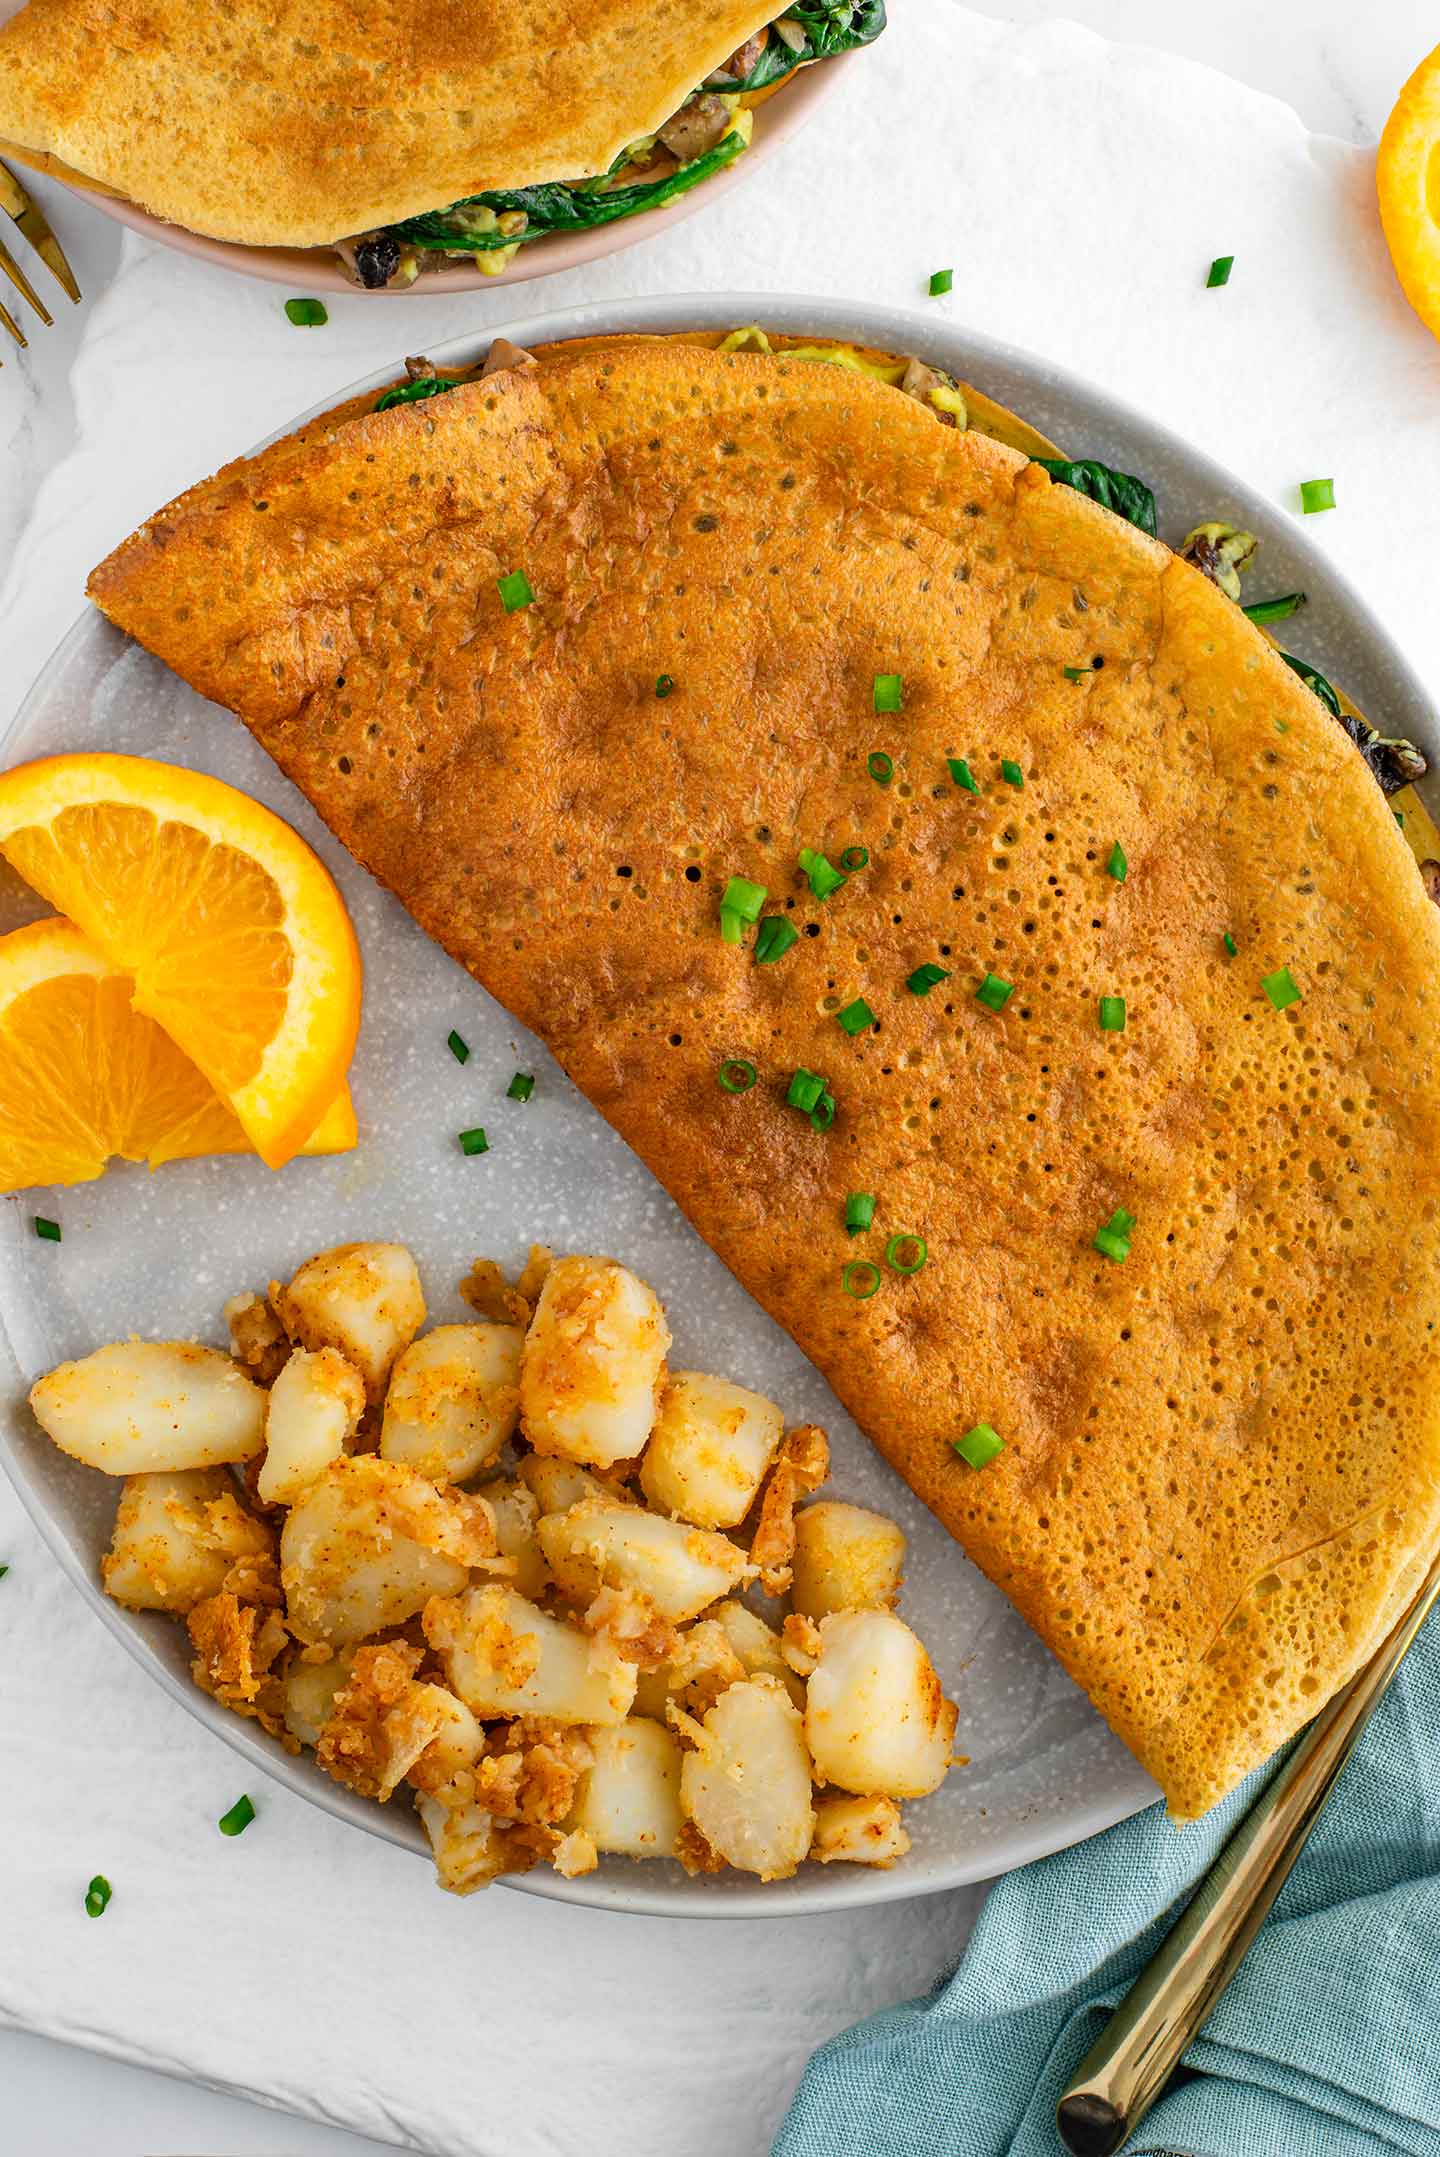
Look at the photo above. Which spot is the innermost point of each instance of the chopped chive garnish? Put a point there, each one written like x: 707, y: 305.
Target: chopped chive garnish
x: 1112, y: 1014
x: 520, y: 1087
x: 994, y: 993
x: 940, y: 282
x: 859, y: 1212
x: 880, y: 767
x: 459, y: 1048
x: 97, y: 1896
x: 1280, y: 988
x: 1275, y: 610
x: 47, y: 1231
x: 774, y: 938
x: 1011, y: 772
x: 906, y: 1254
x: 514, y: 591
x: 1316, y: 494
x: 824, y: 876
x: 1117, y: 866
x: 1399, y: 816
x: 732, y: 927
x: 979, y: 1445
x: 924, y: 978
x: 961, y: 773
x: 856, y: 1017
x: 853, y: 858
x: 235, y: 1822
x: 889, y: 691
x: 474, y: 1141
x: 1121, y: 1222
x: 1229, y: 942
x: 1220, y: 270
x: 1112, y: 1245
x: 307, y: 314
x: 804, y: 1090
x: 4, y: 1569
x: 743, y: 898
x: 1076, y: 674
x: 737, y: 1074
x: 860, y: 1279
x: 823, y: 1113
x: 664, y: 683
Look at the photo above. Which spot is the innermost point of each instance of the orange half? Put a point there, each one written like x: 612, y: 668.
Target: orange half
x: 1407, y: 177
x: 229, y: 927
x: 85, y: 1077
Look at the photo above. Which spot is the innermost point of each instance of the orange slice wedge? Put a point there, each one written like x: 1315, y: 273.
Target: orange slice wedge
x: 230, y: 928
x: 85, y: 1077
x: 1407, y: 175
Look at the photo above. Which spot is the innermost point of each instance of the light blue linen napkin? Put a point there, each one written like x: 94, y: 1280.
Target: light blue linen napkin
x: 1326, y: 2045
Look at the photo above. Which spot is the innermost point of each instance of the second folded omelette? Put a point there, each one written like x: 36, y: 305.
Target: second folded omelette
x: 1103, y: 927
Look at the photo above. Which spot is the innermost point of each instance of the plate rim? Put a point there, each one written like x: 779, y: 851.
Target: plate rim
x: 968, y: 351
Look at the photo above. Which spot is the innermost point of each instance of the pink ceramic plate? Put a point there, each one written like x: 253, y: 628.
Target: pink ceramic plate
x: 315, y: 269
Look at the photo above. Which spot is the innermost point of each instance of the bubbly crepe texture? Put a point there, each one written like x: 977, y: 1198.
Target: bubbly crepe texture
x: 295, y: 122
x: 1219, y: 1482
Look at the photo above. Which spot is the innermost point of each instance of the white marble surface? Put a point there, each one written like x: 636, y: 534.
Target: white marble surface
x: 1339, y: 68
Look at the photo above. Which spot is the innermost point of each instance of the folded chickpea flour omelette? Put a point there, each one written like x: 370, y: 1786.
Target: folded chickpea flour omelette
x: 619, y: 667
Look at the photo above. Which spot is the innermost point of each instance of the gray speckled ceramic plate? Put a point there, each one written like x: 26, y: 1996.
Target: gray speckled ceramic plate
x: 159, y: 1254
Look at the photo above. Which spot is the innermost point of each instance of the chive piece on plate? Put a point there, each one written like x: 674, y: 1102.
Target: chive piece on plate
x: 860, y: 1279
x: 1117, y: 866
x: 1011, y: 772
x: 664, y: 683
x: 736, y: 1075
x: 1076, y: 674
x: 905, y: 1253
x: 774, y: 938
x: 1229, y: 942
x: 961, y: 773
x: 1280, y: 988
x: 994, y: 993
x: 804, y: 1090
x: 474, y: 1141
x: 4, y: 1569
x: 1220, y: 270
x: 1275, y: 610
x: 889, y: 692
x: 859, y: 1212
x: 979, y: 1445
x: 853, y: 858
x: 743, y: 898
x: 520, y: 1087
x: 880, y: 767
x: 732, y: 926
x: 97, y: 1896
x: 940, y: 283
x: 307, y: 314
x: 1112, y: 1245
x: 823, y: 1113
x: 824, y: 876
x: 235, y: 1822
x: 1112, y: 1014
x: 924, y: 978
x: 1316, y: 494
x: 514, y: 591
x: 856, y: 1017
x: 47, y: 1231
x: 459, y: 1048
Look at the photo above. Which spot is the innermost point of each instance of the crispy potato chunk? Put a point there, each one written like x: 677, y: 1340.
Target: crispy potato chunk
x: 628, y: 1801
x: 314, y: 1407
x: 558, y: 1484
x: 876, y: 1720
x: 369, y: 1542
x: 502, y: 1656
x: 678, y: 1569
x: 236, y: 1644
x: 517, y: 1516
x: 802, y: 1466
x: 363, y: 1298
x: 453, y: 1401
x: 146, y: 1407
x: 177, y: 1538
x: 746, y: 1786
x: 846, y: 1558
x: 594, y: 1363
x: 758, y: 1647
x: 469, y: 1849
x: 710, y: 1447
x: 310, y: 1690
x: 384, y: 1721
x: 858, y: 1831
x: 258, y: 1341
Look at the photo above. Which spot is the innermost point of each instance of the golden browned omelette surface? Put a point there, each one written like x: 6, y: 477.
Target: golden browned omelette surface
x: 292, y: 122
x: 1220, y: 1466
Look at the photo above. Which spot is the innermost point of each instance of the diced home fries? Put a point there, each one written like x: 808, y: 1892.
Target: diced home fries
x: 507, y: 1567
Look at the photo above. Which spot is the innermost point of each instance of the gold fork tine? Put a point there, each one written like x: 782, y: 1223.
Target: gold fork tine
x: 23, y: 285
x: 32, y: 224
x: 7, y: 321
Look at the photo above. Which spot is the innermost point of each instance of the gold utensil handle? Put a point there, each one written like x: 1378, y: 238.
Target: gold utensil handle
x: 1140, y: 2047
